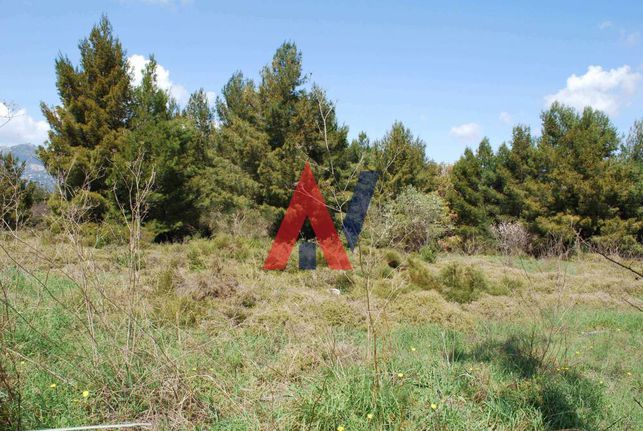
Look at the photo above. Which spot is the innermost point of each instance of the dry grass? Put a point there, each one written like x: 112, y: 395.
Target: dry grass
x: 221, y: 342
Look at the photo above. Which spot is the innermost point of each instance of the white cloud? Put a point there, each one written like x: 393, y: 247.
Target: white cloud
x: 605, y: 90
x: 468, y: 132
x: 604, y: 25
x: 21, y: 128
x: 138, y: 62
x: 505, y: 117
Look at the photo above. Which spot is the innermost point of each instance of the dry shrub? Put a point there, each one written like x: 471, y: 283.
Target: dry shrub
x: 511, y: 237
x: 413, y: 220
x: 429, y: 306
x: 393, y: 258
x: 247, y: 222
x: 451, y: 244
x: 206, y: 285
x: 338, y: 312
x: 180, y: 296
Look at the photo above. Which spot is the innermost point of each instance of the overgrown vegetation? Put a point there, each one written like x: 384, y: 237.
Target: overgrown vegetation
x: 463, y: 343
x: 475, y: 302
x: 576, y: 185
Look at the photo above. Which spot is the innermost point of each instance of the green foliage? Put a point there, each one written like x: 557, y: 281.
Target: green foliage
x: 411, y: 221
x: 272, y: 129
x: 577, y: 181
x: 104, y: 234
x: 400, y: 159
x: 17, y: 195
x: 421, y: 276
x: 95, y: 111
x: 393, y: 258
x: 474, y: 195
x: 428, y: 253
x: 569, y: 184
x: 619, y: 236
x: 463, y: 284
x: 224, y: 188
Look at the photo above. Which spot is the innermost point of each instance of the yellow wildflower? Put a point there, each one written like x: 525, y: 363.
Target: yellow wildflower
x: 400, y: 375
x: 412, y: 349
x: 85, y: 394
x: 434, y: 406
x: 53, y: 386
x: 369, y: 416
x: 341, y: 428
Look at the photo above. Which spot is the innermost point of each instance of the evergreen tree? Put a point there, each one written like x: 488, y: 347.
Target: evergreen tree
x: 400, y: 159
x: 16, y: 193
x: 173, y: 148
x: 515, y: 166
x: 95, y: 111
x: 633, y: 148
x: 471, y: 191
x: 579, y: 176
x: 301, y: 126
x: 241, y: 136
x: 198, y: 111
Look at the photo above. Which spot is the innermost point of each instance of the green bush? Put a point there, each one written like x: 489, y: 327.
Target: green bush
x: 420, y: 275
x: 100, y: 235
x: 620, y: 237
x: 463, y: 284
x: 195, y: 260
x: 393, y: 258
x: 428, y: 253
x: 413, y: 220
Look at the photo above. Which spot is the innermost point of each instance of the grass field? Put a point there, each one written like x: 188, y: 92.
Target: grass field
x: 202, y: 338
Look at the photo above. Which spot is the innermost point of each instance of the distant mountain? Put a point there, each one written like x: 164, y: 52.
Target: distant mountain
x: 34, y: 169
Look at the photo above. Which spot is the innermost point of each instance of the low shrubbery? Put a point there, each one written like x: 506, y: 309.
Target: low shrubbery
x: 412, y: 221
x: 463, y: 283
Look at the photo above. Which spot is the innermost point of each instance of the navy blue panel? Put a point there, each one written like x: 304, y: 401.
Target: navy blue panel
x: 357, y: 207
x: 307, y: 255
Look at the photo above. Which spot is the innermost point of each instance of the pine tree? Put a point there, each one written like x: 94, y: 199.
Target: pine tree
x: 173, y: 148
x: 16, y: 193
x: 241, y: 137
x: 633, y: 148
x: 198, y: 111
x: 464, y: 196
x: 400, y: 158
x: 579, y: 173
x: 95, y: 111
x: 301, y: 126
x: 475, y: 195
x: 515, y: 169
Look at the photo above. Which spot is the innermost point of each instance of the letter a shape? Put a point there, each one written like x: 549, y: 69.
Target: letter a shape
x: 307, y: 202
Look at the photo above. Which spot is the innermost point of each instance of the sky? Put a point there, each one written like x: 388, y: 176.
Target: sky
x: 452, y: 72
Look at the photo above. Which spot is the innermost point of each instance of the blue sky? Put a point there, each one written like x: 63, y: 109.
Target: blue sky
x: 451, y: 71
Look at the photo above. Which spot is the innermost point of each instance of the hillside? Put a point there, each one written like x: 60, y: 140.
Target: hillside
x: 34, y: 169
